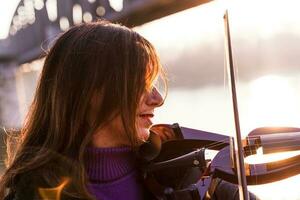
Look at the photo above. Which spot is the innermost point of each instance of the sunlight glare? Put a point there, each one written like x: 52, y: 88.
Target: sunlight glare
x: 53, y: 193
x: 272, y: 102
x: 261, y: 158
x: 262, y: 17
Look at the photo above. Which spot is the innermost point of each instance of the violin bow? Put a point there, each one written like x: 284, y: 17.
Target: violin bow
x: 239, y: 156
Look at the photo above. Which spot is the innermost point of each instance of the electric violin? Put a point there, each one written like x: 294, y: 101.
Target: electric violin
x: 176, y: 165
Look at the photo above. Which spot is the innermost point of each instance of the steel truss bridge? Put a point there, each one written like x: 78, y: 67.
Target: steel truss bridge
x: 36, y: 22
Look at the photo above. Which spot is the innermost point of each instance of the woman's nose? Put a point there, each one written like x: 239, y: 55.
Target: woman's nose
x: 155, y: 98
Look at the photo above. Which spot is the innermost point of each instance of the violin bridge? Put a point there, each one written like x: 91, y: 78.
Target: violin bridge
x: 233, y: 158
x: 232, y: 153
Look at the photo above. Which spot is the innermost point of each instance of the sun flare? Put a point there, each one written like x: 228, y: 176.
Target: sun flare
x: 272, y: 102
x: 53, y: 193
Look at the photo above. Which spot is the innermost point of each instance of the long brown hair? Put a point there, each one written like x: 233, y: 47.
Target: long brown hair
x: 100, y: 58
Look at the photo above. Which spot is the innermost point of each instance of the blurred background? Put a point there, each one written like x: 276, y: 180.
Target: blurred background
x: 189, y: 37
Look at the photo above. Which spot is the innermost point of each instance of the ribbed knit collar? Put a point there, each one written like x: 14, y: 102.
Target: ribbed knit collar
x: 109, y: 164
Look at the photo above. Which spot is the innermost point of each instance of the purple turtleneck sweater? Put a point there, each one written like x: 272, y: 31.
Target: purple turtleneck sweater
x: 113, y: 174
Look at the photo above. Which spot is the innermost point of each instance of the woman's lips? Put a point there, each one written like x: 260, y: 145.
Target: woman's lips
x: 146, y: 118
x: 147, y: 115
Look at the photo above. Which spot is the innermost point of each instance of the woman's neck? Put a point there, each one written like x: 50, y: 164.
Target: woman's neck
x: 105, y: 138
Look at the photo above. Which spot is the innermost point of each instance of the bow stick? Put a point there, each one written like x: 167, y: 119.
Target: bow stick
x: 239, y: 156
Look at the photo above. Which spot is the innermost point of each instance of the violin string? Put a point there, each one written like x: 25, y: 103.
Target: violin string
x: 256, y: 137
x: 269, y: 142
x: 294, y: 132
x: 217, y: 143
x: 221, y: 142
x: 280, y: 142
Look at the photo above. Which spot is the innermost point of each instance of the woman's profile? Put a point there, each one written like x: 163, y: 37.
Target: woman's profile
x: 92, y: 108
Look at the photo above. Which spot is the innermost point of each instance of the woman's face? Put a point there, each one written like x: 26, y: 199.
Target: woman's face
x: 113, y: 133
x: 145, y: 112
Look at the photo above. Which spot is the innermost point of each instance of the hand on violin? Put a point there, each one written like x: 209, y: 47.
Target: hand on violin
x: 164, y: 131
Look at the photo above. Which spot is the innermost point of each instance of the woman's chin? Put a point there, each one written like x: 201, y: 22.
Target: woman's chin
x: 144, y: 133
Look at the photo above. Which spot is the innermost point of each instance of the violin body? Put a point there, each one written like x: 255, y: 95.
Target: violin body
x: 175, y: 161
x: 175, y: 166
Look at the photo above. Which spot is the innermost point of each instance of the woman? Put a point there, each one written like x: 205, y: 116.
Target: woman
x: 92, y: 109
